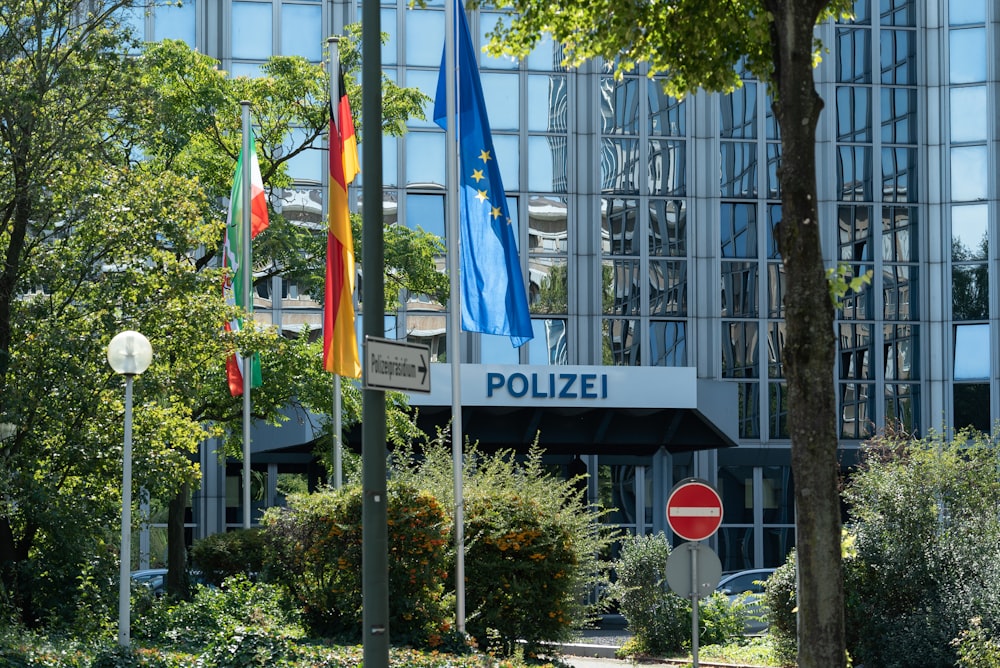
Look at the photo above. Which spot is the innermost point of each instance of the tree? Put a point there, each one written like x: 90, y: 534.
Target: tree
x: 700, y: 43
x: 114, y: 167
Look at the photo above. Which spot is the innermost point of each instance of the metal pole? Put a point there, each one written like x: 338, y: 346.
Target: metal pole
x: 455, y: 306
x: 375, y: 542
x: 338, y: 417
x: 125, y: 571
x: 694, y: 605
x: 247, y: 270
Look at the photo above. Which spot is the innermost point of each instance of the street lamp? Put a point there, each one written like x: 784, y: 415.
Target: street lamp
x: 129, y: 354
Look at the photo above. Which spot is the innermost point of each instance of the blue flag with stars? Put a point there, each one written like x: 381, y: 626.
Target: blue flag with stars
x: 494, y: 300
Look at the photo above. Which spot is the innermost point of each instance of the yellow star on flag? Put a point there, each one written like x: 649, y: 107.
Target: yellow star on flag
x: 477, y: 175
x: 496, y: 212
x: 485, y: 156
x: 481, y: 195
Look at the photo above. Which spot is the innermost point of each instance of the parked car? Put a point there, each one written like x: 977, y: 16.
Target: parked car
x: 751, y: 584
x: 155, y: 579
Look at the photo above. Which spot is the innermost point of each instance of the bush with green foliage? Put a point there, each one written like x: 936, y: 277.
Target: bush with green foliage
x: 780, y: 604
x: 215, y: 610
x: 531, y: 541
x: 659, y: 618
x: 977, y: 647
x: 927, y: 540
x: 314, y: 550
x: 223, y: 555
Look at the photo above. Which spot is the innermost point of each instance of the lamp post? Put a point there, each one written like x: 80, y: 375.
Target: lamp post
x: 129, y: 354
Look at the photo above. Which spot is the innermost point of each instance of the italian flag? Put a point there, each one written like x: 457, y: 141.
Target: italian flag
x: 232, y: 257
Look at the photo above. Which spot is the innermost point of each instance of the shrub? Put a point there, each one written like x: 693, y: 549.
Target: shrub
x: 213, y: 610
x: 780, y: 603
x: 224, y: 555
x: 923, y: 513
x: 977, y: 647
x: 314, y: 549
x: 532, y: 544
x: 248, y: 647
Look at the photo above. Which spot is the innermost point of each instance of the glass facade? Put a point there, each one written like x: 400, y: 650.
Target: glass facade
x: 645, y: 225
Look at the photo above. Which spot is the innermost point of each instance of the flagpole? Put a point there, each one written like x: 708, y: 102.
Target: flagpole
x: 338, y: 419
x: 247, y: 270
x: 455, y: 310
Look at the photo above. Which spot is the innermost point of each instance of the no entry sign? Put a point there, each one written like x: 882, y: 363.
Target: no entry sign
x: 694, y: 510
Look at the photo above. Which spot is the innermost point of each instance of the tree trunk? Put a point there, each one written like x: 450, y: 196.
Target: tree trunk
x: 810, y: 345
x: 177, y: 579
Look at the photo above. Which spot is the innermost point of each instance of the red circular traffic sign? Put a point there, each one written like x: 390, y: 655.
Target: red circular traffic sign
x: 694, y: 510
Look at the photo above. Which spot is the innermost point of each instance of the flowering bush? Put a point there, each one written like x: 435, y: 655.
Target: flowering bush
x: 315, y: 551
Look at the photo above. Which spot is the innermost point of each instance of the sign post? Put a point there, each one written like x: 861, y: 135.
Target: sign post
x: 694, y: 513
x: 396, y: 365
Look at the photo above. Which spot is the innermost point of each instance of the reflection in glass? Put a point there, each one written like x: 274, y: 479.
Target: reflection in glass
x: 668, y: 287
x: 619, y: 226
x: 667, y: 172
x: 738, y: 113
x: 387, y: 20
x: 309, y: 165
x: 497, y: 350
x: 969, y: 232
x: 898, y: 57
x: 508, y: 160
x: 739, y: 289
x: 966, y: 11
x: 854, y: 55
x: 858, y: 304
x: 854, y: 173
x: 970, y: 291
x: 855, y: 232
x: 668, y: 227
x: 426, y: 81
x: 488, y: 23
x: 900, y: 357
x: 773, y: 218
x: 620, y: 165
x: 967, y: 55
x: 899, y: 292
x: 547, y: 166
x: 621, y: 342
x: 667, y: 115
x: 775, y: 290
x: 252, y: 28
x: 897, y: 240
x: 748, y: 395
x: 302, y: 205
x: 740, y: 343
x: 668, y: 342
x: 854, y: 114
x: 426, y: 212
x: 899, y: 111
x: 547, y: 103
x: 896, y: 12
x: 548, y: 287
x: 855, y: 351
x: 971, y: 403
x: 899, y: 174
x: 773, y: 165
x: 777, y: 416
x: 857, y: 410
x: 968, y: 173
x: 902, y: 406
x: 739, y: 169
x: 547, y: 55
x: 972, y: 352
x: 626, y: 276
x: 736, y: 547
x: 775, y: 348
x: 968, y: 114
x: 736, y: 488
x: 547, y: 224
x: 620, y: 105
x: 738, y: 230
x: 549, y: 345
x: 301, y: 31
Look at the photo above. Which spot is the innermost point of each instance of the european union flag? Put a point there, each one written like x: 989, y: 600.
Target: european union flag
x: 494, y: 300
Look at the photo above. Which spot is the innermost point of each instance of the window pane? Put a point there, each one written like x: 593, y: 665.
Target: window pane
x: 902, y: 406
x: 547, y: 224
x: 855, y: 230
x: 387, y: 22
x: 508, y: 161
x: 424, y: 38
x: 624, y: 286
x: 902, y: 351
x: 301, y: 31
x: 620, y: 105
x: 252, y: 30
x: 970, y: 292
x: 487, y: 23
x: 739, y: 289
x: 966, y: 11
x: 854, y: 170
x: 175, y: 22
x: 898, y: 57
x: 968, y: 55
x: 547, y: 103
x: 621, y: 342
x: 857, y: 410
x: 854, y: 114
x: 549, y: 344
x: 426, y: 212
x: 899, y: 177
x: 619, y: 165
x: 972, y: 406
x: 739, y: 169
x: 620, y: 226
x: 426, y: 81
x: 502, y: 97
x: 777, y: 414
x: 738, y: 113
x: 668, y: 341
x: 968, y: 173
x: 668, y: 287
x: 899, y: 123
x: 899, y: 292
x: 854, y: 55
x: 855, y: 351
x: 668, y: 227
x: 309, y: 165
x: 898, y: 242
x: 667, y: 168
x: 968, y: 114
x: 548, y: 288
x: 666, y: 114
x: 738, y: 230
x: 739, y: 350
x: 425, y: 158
x: 547, y: 164
x: 969, y: 232
x: 497, y: 350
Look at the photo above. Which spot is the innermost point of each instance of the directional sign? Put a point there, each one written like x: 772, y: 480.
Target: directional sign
x: 694, y: 510
x: 396, y: 365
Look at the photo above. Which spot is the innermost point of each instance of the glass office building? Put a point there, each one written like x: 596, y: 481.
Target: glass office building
x: 644, y: 226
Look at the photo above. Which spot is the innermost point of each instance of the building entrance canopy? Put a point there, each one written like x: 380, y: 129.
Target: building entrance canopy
x: 584, y: 409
